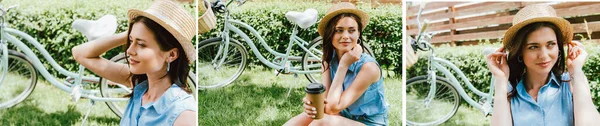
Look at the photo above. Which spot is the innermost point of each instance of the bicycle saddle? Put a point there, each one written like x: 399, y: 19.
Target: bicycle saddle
x: 106, y: 25
x: 304, y: 19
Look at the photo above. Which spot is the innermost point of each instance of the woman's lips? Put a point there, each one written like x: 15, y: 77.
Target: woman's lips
x: 544, y: 64
x: 345, y: 43
x: 133, y: 62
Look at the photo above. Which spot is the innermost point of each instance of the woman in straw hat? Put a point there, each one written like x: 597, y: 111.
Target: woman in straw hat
x: 159, y: 52
x: 531, y: 63
x: 353, y: 80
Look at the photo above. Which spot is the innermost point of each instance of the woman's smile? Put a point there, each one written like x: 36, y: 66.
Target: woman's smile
x: 544, y: 64
x: 133, y: 62
x: 345, y: 43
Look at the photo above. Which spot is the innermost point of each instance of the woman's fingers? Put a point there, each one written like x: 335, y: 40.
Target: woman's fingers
x: 309, y: 109
x: 306, y: 101
x: 496, y: 57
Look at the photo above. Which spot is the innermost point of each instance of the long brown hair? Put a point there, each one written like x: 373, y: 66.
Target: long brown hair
x: 515, y: 47
x: 328, y: 37
x: 178, y: 71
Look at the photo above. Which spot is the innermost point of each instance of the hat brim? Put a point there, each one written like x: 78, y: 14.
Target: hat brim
x: 364, y: 17
x: 565, y: 28
x: 187, y: 45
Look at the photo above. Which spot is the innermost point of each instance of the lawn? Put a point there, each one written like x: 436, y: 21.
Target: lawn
x: 50, y: 106
x: 258, y: 97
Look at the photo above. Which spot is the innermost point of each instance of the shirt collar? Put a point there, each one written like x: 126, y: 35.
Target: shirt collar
x: 167, y: 98
x: 522, y: 90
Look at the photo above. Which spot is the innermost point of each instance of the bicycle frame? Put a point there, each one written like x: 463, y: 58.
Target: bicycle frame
x: 230, y: 26
x: 436, y: 63
x: 7, y: 34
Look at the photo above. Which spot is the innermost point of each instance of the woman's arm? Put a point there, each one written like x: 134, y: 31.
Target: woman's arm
x: 88, y: 55
x: 186, y: 118
x: 502, y: 115
x: 584, y: 111
x: 338, y: 100
x: 326, y: 77
x: 498, y: 65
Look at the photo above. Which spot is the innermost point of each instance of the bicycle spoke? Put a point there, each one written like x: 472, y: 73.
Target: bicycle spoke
x: 440, y: 108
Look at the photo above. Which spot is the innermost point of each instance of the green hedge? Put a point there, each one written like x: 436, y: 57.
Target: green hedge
x: 471, y: 61
x: 383, y: 33
x: 49, y: 22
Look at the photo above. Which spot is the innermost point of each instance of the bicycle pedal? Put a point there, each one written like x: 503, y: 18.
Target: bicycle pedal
x: 486, y: 109
x: 76, y: 93
x: 281, y: 71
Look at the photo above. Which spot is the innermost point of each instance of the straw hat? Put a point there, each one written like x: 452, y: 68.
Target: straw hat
x: 342, y: 7
x: 537, y: 13
x: 173, y: 17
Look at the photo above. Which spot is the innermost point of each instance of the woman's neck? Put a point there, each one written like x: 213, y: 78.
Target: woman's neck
x: 158, y: 84
x: 535, y: 81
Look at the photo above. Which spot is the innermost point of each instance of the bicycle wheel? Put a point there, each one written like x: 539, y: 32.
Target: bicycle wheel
x: 442, y: 107
x: 210, y: 75
x: 310, y: 62
x: 19, y: 82
x: 109, y: 89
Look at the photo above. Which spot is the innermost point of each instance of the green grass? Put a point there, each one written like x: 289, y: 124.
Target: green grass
x: 465, y: 116
x: 48, y: 105
x: 258, y: 97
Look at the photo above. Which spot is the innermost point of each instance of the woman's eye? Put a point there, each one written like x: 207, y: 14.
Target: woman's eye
x: 339, y: 31
x: 551, y: 44
x: 352, y: 31
x: 141, y: 44
x: 532, y: 47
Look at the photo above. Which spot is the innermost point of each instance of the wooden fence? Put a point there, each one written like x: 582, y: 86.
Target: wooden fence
x: 462, y: 23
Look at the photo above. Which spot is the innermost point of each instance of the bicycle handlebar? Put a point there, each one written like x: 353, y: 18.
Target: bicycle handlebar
x: 218, y: 5
x: 5, y: 10
x: 423, y: 38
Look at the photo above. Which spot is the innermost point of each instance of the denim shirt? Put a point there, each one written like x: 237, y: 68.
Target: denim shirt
x: 554, y: 106
x: 372, y: 101
x: 162, y: 112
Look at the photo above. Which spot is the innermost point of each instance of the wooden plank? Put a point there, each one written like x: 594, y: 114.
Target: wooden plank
x: 472, y: 23
x: 570, y: 4
x: 468, y: 10
x: 452, y: 22
x: 500, y: 14
x: 471, y: 36
x: 412, y: 10
x: 579, y: 10
x: 580, y: 28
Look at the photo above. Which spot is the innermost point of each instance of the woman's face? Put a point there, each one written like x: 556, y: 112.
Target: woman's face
x: 144, y: 53
x: 541, y: 51
x: 346, y: 34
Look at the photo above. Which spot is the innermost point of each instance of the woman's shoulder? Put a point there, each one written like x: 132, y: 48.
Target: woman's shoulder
x: 177, y: 98
x: 364, y: 59
x: 367, y: 58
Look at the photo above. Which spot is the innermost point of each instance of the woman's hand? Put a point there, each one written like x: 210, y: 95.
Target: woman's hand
x: 498, y: 65
x: 351, y: 56
x: 576, y: 56
x: 310, y: 110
